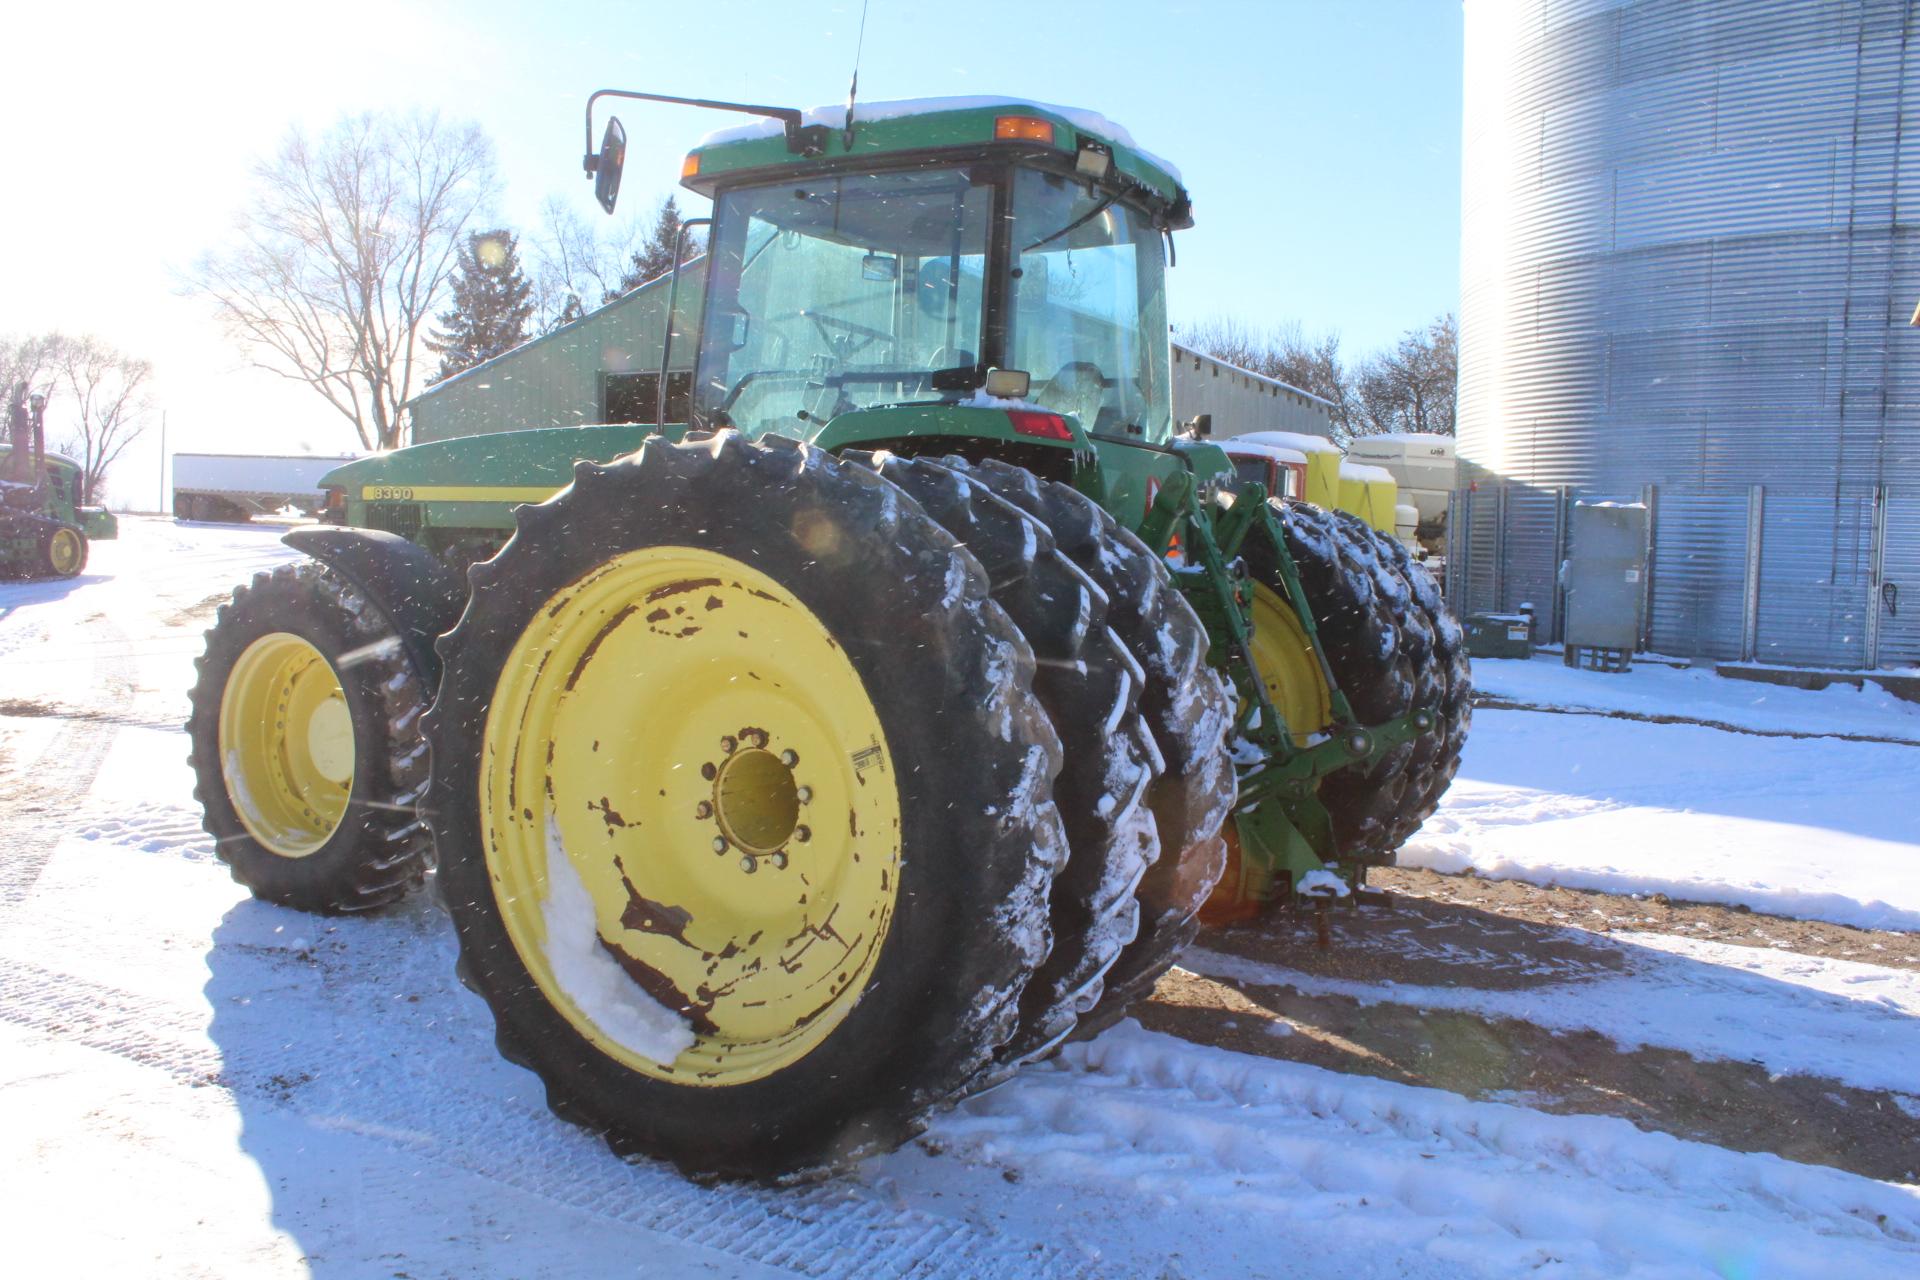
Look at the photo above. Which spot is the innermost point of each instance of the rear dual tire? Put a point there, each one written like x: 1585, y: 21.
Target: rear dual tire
x: 1187, y: 711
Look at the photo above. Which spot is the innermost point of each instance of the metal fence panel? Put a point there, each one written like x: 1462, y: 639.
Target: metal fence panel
x: 1900, y: 569
x: 1481, y: 573
x: 1813, y: 577
x: 1699, y: 569
x: 1531, y: 572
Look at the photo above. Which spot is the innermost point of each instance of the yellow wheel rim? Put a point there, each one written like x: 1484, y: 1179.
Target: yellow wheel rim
x: 64, y: 551
x: 286, y: 745
x: 1288, y: 666
x: 679, y: 742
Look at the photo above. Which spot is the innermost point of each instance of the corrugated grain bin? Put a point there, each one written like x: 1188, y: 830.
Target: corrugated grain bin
x: 1690, y: 246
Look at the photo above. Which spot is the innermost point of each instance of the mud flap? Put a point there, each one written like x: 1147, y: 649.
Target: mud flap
x: 420, y: 596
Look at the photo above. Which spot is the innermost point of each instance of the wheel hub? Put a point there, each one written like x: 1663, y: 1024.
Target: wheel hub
x: 756, y: 801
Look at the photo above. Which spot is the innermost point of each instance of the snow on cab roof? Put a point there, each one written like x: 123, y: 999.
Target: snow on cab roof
x: 1239, y: 445
x: 834, y: 115
x: 1286, y: 440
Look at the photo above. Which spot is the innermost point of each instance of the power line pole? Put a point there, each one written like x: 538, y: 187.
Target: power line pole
x: 162, y: 507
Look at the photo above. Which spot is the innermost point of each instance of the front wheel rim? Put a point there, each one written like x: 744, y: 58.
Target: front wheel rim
x: 65, y: 552
x: 1288, y: 667
x: 690, y: 817
x: 286, y: 744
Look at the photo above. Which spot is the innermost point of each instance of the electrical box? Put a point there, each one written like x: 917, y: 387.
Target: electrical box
x: 1499, y: 635
x: 1605, y: 580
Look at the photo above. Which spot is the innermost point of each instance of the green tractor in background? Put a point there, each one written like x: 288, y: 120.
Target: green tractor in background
x: 44, y: 529
x: 799, y: 770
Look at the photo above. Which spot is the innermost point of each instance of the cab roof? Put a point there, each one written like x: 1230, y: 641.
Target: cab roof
x: 931, y: 124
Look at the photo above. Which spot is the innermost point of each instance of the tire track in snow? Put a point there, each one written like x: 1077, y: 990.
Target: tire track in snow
x: 399, y: 1100
x: 40, y: 796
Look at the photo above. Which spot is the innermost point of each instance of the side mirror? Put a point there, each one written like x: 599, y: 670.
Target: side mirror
x: 607, y: 165
x: 1200, y: 426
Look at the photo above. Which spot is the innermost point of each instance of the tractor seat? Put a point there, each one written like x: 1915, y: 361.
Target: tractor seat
x: 1079, y: 389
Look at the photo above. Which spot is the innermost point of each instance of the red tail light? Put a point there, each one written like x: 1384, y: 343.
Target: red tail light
x: 1044, y: 426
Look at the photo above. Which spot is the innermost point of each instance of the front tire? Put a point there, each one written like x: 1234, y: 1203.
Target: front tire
x: 306, y: 745
x: 743, y: 802
x: 63, y: 552
x: 1393, y: 648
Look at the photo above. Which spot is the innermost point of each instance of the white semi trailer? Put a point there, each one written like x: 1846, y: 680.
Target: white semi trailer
x: 238, y: 486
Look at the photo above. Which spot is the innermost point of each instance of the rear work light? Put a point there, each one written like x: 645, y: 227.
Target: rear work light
x: 1023, y: 129
x: 1044, y: 426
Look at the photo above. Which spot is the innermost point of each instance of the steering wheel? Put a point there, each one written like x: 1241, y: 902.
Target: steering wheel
x: 842, y: 348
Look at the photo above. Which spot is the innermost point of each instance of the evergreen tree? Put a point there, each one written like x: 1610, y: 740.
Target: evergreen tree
x: 492, y: 303
x: 654, y: 257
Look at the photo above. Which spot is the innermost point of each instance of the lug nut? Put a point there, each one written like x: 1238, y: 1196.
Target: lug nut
x: 780, y: 860
x: 719, y: 844
x: 707, y: 771
x: 728, y: 745
x: 803, y: 794
x: 757, y: 737
x: 747, y: 864
x: 703, y: 810
x: 789, y: 759
x: 802, y: 834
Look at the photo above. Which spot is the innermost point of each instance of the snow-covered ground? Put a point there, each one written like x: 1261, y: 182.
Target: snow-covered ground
x: 1821, y: 828
x: 194, y: 1083
x: 1696, y: 693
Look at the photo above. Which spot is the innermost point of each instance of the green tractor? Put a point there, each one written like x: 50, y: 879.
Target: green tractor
x: 797, y: 771
x: 44, y: 529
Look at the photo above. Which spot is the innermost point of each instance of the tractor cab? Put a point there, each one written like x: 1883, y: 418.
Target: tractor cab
x: 936, y: 256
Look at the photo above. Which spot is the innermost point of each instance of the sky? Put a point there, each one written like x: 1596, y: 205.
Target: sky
x: 1320, y: 140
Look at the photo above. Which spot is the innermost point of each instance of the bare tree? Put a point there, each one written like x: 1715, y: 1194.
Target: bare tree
x: 577, y: 264
x: 1406, y: 387
x: 1410, y: 386
x: 30, y: 359
x: 343, y: 256
x: 109, y: 406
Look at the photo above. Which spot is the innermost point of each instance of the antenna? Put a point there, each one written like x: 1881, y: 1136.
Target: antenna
x: 853, y: 87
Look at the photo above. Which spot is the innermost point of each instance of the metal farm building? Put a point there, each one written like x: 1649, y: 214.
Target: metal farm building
x: 603, y: 367
x: 1688, y: 262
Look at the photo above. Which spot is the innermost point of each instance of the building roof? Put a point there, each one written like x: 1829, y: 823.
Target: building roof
x: 1257, y: 377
